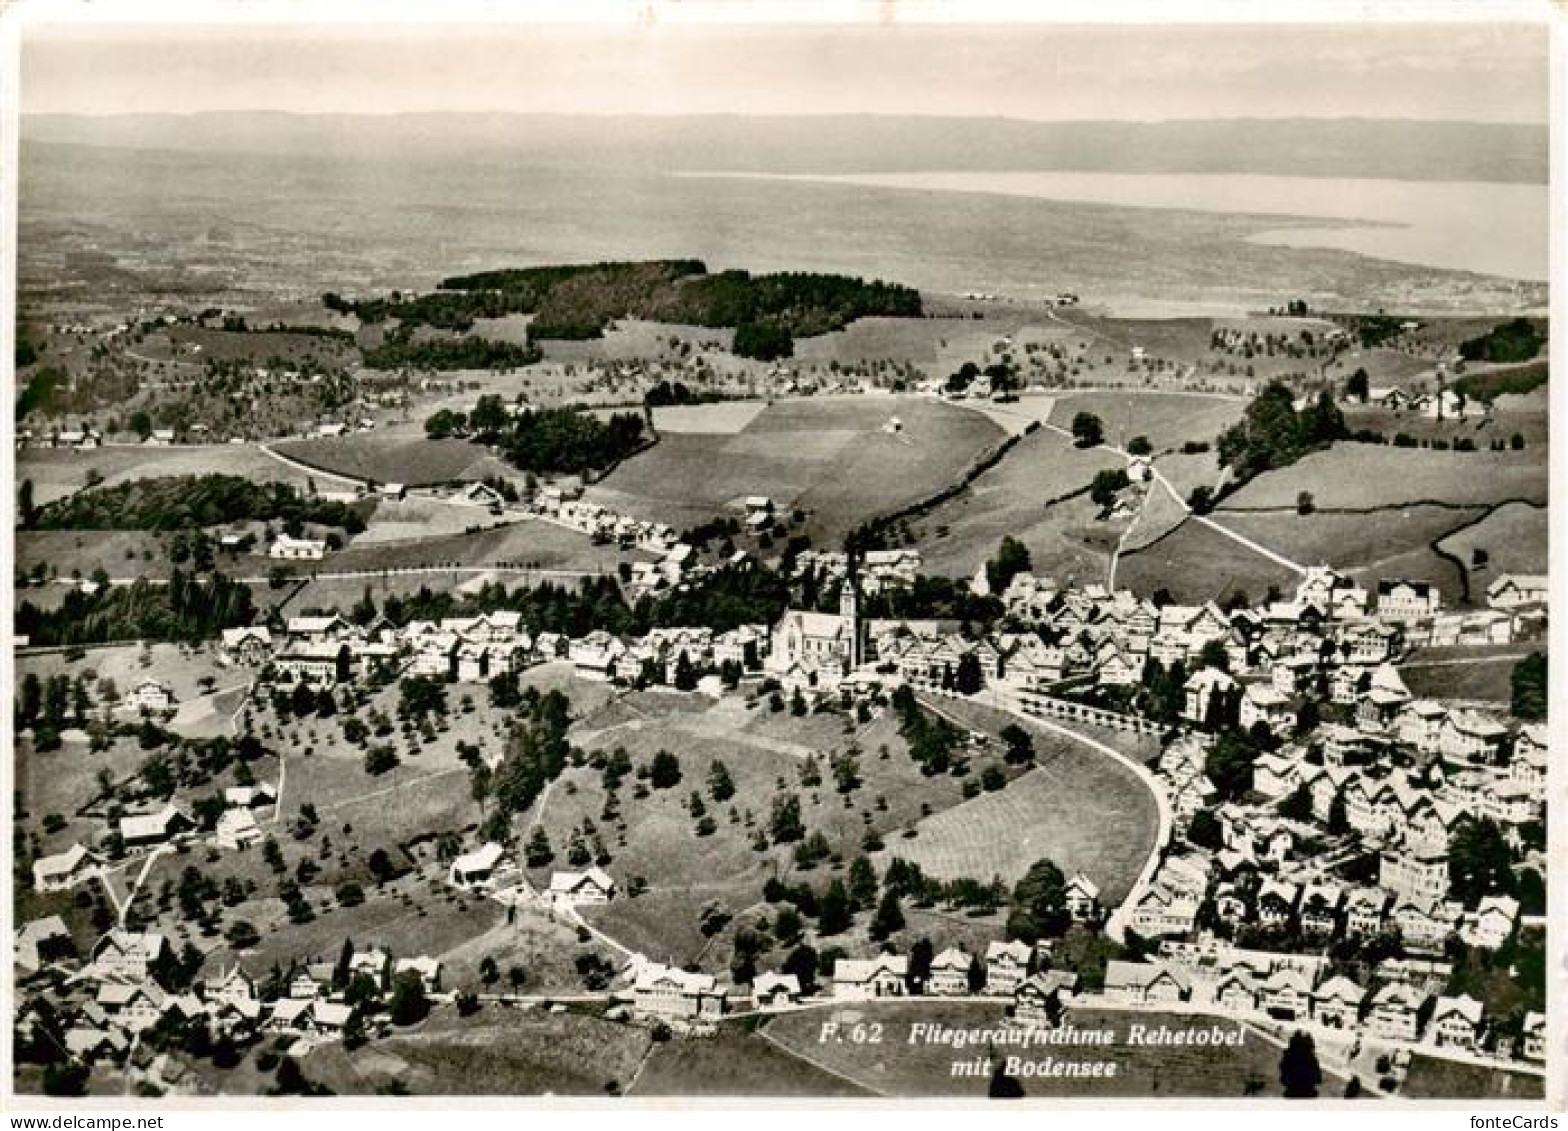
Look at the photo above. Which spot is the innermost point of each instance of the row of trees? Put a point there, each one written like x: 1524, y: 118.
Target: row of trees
x: 184, y: 502
x: 188, y: 608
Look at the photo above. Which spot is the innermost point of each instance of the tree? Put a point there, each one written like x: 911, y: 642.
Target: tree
x: 802, y: 962
x: 785, y: 824
x: 1529, y: 688
x: 1139, y: 446
x: 1012, y: 559
x: 409, y: 1004
x: 721, y: 787
x: 665, y: 772
x: 1480, y: 863
x: 1020, y: 746
x: 1105, y: 485
x: 889, y: 918
x: 1305, y: 504
x: 1299, y: 1073
x: 969, y: 677
x: 1204, y: 830
x: 1087, y: 430
x: 1357, y: 386
x: 1039, y: 907
x: 834, y: 914
x: 538, y: 853
x: 862, y: 882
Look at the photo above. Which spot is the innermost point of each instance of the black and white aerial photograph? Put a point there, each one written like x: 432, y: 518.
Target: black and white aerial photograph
x: 712, y: 551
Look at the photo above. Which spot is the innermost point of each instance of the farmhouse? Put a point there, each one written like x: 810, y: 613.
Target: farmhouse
x: 151, y: 695
x: 315, y: 661
x: 571, y: 889
x: 1142, y: 983
x: 42, y: 941
x: 1393, y: 1012
x: 1006, y: 966
x: 250, y: 796
x: 128, y: 955
x: 1404, y: 601
x: 862, y: 979
x: 237, y: 829
x: 1455, y: 1021
x: 297, y: 549
x: 64, y: 870
x: 154, y: 828
x: 1037, y: 1003
x: 674, y: 994
x: 1337, y: 1003
x: 949, y: 973
x: 1517, y: 591
x: 775, y: 991
x: 1083, y: 898
x: 247, y: 645
x: 477, y: 867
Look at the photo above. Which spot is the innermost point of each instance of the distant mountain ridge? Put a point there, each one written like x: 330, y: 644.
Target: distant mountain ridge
x: 1311, y: 147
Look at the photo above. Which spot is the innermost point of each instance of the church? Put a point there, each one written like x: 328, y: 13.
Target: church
x: 812, y: 649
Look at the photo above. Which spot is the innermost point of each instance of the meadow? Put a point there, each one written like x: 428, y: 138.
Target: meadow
x: 1514, y: 537
x: 1196, y: 563
x: 828, y: 456
x: 413, y: 461
x: 499, y: 1052
x: 899, y: 1066
x: 57, y: 472
x: 1167, y: 419
x: 734, y: 1062
x: 1064, y: 539
x: 1365, y: 476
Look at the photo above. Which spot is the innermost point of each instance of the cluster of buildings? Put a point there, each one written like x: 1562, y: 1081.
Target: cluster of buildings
x: 1402, y: 1003
x: 125, y: 989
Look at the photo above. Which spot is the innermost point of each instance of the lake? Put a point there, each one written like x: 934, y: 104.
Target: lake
x: 1488, y: 228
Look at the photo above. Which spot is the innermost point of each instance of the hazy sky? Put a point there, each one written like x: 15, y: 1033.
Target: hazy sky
x: 1469, y: 72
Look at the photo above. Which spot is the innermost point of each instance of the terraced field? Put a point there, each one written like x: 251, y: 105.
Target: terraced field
x: 1061, y: 811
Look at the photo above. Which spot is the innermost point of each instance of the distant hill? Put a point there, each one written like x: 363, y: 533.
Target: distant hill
x: 1350, y: 147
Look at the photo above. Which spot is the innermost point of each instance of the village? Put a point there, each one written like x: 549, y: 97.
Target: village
x: 1248, y: 908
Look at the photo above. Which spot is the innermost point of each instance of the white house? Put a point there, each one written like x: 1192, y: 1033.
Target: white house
x: 1517, y: 590
x: 572, y: 889
x: 862, y: 979
x: 477, y: 867
x: 64, y: 870
x: 297, y: 549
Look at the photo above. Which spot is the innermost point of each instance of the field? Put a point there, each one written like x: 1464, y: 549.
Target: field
x: 723, y: 418
x: 1065, y: 539
x: 1058, y: 810
x: 766, y: 755
x: 1433, y: 1079
x: 388, y: 458
x: 531, y: 544
x: 1470, y: 673
x: 1167, y: 419
x: 734, y: 1062
x: 1197, y: 563
x: 119, y: 553
x: 1514, y: 537
x: 499, y: 1052
x: 827, y: 456
x: 416, y: 517
x: 901, y: 1067
x: 1161, y: 513
x: 56, y: 473
x: 1361, y: 476
x: 1394, y: 542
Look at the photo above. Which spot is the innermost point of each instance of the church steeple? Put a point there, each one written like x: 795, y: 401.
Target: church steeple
x: 849, y: 610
